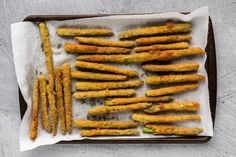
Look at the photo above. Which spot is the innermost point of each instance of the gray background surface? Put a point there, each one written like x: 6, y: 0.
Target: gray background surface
x: 223, y: 14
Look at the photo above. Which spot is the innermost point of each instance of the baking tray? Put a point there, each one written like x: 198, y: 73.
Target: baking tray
x: 212, y: 85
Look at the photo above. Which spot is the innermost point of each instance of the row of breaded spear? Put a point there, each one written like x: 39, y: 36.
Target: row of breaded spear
x: 114, y: 52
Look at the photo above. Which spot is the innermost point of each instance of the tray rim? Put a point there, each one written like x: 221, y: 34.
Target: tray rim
x: 210, y: 63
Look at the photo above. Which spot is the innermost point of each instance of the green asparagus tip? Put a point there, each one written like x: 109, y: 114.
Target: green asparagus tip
x: 147, y: 130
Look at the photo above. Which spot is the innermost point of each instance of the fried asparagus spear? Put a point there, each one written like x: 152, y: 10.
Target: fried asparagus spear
x: 71, y: 32
x: 112, y: 109
x: 53, y: 111
x: 44, y: 104
x: 172, y: 46
x: 103, y: 93
x: 174, y: 106
x: 109, y: 132
x: 79, y: 123
x: 171, y: 90
x: 59, y: 96
x: 145, y: 118
x: 35, y: 109
x: 143, y: 57
x: 97, y: 76
x: 107, y: 85
x: 104, y: 67
x: 105, y: 42
x: 165, y: 79
x: 48, y: 53
x: 66, y: 81
x: 180, y: 67
x: 72, y: 48
x: 140, y: 99
x: 164, y: 29
x: 171, y: 130
x: 162, y: 39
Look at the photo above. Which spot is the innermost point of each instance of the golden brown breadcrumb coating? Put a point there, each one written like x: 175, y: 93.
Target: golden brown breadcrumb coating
x: 179, y: 67
x: 109, y: 132
x: 66, y: 81
x: 104, y: 42
x: 103, y: 93
x: 35, y: 109
x: 164, y: 29
x: 171, y: 90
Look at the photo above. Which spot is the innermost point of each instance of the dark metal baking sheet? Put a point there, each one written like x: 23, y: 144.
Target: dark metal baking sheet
x: 212, y: 85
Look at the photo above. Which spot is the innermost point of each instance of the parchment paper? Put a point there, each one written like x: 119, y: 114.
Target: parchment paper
x: 30, y: 61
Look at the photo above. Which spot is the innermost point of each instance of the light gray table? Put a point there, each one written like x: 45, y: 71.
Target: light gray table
x: 223, y: 14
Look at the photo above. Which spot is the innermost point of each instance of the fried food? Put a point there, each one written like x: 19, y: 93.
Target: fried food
x: 171, y: 90
x: 104, y: 67
x: 79, y: 123
x: 44, y: 104
x: 66, y: 81
x: 145, y: 118
x: 180, y: 67
x: 143, y: 57
x: 112, y: 109
x: 107, y: 85
x: 97, y: 76
x: 163, y: 39
x: 164, y: 29
x: 172, y: 46
x: 171, y: 130
x: 71, y: 48
x: 103, y: 93
x: 71, y: 32
x: 35, y: 109
x: 53, y: 110
x: 140, y: 99
x: 165, y: 79
x: 174, y: 106
x: 48, y: 53
x: 105, y: 42
x: 181, y: 53
x: 109, y: 132
x: 59, y: 98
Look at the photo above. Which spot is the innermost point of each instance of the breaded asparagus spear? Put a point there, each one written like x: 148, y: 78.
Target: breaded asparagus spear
x: 66, y: 80
x: 44, y: 104
x: 48, y: 53
x: 35, y: 109
x: 97, y: 76
x: 174, y: 106
x: 105, y: 42
x: 71, y: 32
x: 72, y: 48
x: 53, y: 111
x: 171, y: 130
x: 107, y: 85
x: 165, y: 79
x: 112, y: 109
x: 140, y: 99
x: 79, y: 123
x: 172, y: 46
x: 164, y: 29
x: 180, y: 67
x: 143, y: 57
x: 145, y: 118
x: 103, y: 93
x: 50, y: 87
x: 109, y: 132
x: 59, y: 96
x: 171, y: 90
x: 104, y: 67
x: 163, y: 39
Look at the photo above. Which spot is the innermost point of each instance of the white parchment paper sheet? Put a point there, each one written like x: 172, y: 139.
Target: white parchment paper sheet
x: 30, y: 61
